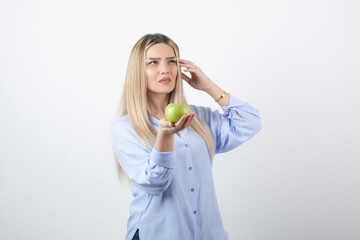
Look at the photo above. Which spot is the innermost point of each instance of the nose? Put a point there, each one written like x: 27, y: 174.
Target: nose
x: 164, y: 68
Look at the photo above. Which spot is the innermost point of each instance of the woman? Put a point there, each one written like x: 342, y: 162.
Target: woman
x: 170, y: 164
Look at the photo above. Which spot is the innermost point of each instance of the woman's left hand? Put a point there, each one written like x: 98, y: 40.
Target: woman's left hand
x: 198, y: 79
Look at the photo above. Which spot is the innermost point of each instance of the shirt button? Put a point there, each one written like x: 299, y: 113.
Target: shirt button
x: 190, y: 168
x: 195, y: 212
x: 228, y: 110
x: 225, y: 114
x: 186, y: 145
x: 192, y: 189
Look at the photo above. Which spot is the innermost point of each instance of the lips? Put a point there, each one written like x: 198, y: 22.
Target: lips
x: 165, y: 80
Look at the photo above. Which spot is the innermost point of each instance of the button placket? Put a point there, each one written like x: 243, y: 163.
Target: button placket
x: 193, y: 195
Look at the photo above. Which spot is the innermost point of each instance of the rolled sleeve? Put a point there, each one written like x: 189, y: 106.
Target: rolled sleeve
x: 150, y: 170
x: 246, y: 111
x: 165, y: 159
x: 229, y: 129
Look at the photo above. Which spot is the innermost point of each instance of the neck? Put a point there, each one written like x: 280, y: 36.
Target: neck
x: 157, y: 103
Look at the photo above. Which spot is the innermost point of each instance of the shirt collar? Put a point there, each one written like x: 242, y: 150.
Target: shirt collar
x: 154, y: 120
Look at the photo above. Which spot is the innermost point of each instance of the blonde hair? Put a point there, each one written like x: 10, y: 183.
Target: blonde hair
x: 135, y: 103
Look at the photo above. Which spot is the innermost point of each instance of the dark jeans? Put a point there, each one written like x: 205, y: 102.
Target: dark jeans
x: 136, y: 236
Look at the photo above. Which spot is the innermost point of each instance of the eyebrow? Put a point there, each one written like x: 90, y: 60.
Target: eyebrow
x: 160, y: 58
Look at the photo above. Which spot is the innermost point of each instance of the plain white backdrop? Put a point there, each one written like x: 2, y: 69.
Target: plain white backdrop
x: 62, y: 68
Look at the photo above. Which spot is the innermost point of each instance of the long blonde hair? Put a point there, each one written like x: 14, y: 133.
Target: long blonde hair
x: 135, y: 103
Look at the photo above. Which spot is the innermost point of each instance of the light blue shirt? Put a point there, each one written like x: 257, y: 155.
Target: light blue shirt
x: 174, y: 195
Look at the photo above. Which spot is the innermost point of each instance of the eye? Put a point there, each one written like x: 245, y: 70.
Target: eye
x: 173, y: 61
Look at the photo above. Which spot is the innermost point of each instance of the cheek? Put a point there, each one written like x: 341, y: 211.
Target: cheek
x: 149, y: 73
x: 150, y: 76
x: 174, y: 71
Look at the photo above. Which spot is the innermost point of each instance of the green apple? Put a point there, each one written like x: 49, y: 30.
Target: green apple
x: 173, y: 112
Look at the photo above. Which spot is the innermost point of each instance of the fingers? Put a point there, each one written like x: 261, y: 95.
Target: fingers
x: 186, y: 78
x: 188, y: 121
x: 170, y: 128
x: 187, y: 65
x: 185, y: 61
x: 181, y: 121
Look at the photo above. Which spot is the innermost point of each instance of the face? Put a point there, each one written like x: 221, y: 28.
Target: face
x: 160, y: 63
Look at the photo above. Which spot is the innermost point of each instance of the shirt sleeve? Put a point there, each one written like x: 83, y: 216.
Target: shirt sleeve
x: 230, y: 130
x: 150, y: 170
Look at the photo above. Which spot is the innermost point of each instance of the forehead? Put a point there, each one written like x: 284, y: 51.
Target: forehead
x: 160, y: 50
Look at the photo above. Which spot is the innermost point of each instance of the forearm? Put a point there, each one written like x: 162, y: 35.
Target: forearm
x: 164, y: 143
x: 215, y: 92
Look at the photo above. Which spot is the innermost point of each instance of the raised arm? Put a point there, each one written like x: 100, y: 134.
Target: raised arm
x: 238, y: 122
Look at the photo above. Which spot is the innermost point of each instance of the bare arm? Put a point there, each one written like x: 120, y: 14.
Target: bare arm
x: 215, y: 91
x: 164, y: 143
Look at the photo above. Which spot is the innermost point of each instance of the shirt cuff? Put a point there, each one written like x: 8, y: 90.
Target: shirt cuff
x: 233, y: 102
x: 166, y: 159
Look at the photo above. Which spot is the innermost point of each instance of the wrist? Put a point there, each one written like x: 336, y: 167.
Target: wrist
x: 215, y: 91
x: 212, y: 85
x: 164, y: 142
x: 164, y: 134
x: 219, y: 95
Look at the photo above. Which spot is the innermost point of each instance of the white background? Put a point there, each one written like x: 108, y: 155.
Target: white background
x: 62, y: 68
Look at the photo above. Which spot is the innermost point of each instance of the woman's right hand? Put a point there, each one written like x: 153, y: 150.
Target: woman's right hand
x: 168, y: 128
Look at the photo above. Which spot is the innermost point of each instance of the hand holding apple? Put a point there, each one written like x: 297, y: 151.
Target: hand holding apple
x: 173, y: 112
x: 168, y: 127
